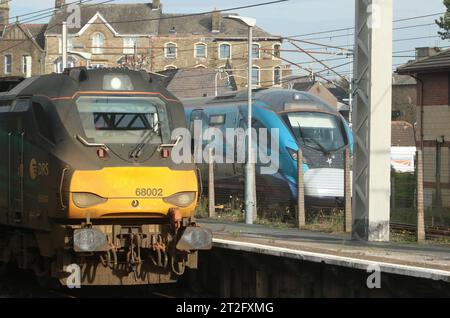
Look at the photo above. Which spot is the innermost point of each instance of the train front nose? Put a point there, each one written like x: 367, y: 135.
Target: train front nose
x: 125, y: 192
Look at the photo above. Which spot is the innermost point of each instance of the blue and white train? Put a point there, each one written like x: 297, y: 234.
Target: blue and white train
x: 303, y: 120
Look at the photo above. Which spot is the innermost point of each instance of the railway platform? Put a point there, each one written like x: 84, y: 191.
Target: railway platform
x: 421, y: 261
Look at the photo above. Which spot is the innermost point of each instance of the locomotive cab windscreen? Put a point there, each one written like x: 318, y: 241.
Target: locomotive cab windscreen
x: 123, y: 120
x: 317, y: 130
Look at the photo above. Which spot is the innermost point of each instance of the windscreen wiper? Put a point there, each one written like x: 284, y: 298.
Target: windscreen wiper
x: 322, y: 148
x: 137, y: 151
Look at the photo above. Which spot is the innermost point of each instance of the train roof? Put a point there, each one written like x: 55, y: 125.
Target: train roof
x: 82, y: 79
x: 277, y: 99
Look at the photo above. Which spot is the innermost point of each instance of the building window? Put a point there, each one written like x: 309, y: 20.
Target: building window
x: 277, y: 51
x: 25, y: 63
x: 277, y: 75
x: 8, y: 64
x: 128, y: 45
x: 59, y: 66
x: 170, y: 67
x: 224, y: 51
x: 170, y: 50
x: 69, y: 44
x: 200, y: 50
x: 200, y: 66
x: 98, y: 42
x: 96, y: 65
x: 255, y: 76
x: 255, y: 51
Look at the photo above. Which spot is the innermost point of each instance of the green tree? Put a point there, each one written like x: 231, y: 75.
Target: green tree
x: 444, y: 22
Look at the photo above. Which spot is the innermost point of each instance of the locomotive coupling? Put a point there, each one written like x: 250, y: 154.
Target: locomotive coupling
x: 195, y: 238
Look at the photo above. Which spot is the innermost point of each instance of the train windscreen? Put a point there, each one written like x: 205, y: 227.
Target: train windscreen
x: 316, y: 130
x: 128, y: 120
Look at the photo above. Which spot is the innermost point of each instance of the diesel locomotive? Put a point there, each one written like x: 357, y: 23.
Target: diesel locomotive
x: 88, y: 186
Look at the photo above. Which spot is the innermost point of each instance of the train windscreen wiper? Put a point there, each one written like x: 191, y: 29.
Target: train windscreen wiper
x: 322, y: 148
x: 137, y: 151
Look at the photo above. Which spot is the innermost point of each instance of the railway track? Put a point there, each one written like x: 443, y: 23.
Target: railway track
x: 430, y: 231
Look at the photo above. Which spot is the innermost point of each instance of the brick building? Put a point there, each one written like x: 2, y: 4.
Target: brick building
x: 433, y: 123
x: 21, y: 46
x: 159, y: 41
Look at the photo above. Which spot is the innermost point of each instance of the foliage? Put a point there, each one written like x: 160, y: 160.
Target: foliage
x: 444, y: 22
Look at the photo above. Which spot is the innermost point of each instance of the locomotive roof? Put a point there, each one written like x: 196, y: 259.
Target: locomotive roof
x: 278, y: 99
x: 80, y: 79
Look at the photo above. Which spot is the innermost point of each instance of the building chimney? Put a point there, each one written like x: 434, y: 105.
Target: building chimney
x: 156, y: 4
x: 4, y: 12
x: 216, y: 21
x: 422, y: 52
x: 59, y: 4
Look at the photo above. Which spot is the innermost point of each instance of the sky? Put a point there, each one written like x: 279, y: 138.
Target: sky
x: 299, y: 17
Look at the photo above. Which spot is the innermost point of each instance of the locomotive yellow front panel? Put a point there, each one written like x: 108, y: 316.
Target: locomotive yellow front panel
x: 117, y: 192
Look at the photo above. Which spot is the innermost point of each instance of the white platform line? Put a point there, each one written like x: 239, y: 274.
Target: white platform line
x: 361, y: 264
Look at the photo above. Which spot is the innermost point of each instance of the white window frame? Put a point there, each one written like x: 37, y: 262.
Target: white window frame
x: 69, y: 44
x: 5, y: 68
x: 231, y: 51
x: 24, y: 63
x: 195, y: 50
x: 166, y: 50
x: 127, y: 47
x: 254, y: 83
x: 71, y: 62
x: 281, y: 76
x: 200, y: 66
x: 170, y: 67
x: 259, y: 51
x: 273, y: 51
x: 97, y: 65
x: 95, y: 48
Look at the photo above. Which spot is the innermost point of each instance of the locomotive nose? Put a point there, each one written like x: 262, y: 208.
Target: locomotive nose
x: 121, y: 192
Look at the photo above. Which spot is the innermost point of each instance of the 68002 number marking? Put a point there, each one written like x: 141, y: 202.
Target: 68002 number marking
x: 149, y: 192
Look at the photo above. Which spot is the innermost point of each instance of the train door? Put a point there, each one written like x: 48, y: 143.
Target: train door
x: 16, y: 153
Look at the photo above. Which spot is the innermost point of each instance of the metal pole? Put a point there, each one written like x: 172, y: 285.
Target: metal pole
x: 249, y: 168
x: 301, y: 214
x: 350, y: 100
x: 211, y: 198
x: 64, y: 45
x: 135, y: 56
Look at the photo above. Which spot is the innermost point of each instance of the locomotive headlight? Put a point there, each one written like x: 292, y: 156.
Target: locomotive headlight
x: 116, y: 82
x: 181, y: 199
x: 86, y: 200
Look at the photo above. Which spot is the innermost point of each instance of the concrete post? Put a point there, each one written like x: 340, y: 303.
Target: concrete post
x: 301, y: 214
x: 347, y: 192
x: 211, y: 196
x: 372, y: 119
x: 420, y: 207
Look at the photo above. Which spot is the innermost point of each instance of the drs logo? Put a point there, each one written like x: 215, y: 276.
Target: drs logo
x: 149, y: 192
x: 38, y: 169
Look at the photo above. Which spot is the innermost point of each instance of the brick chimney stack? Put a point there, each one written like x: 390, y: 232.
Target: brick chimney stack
x: 59, y: 4
x: 216, y: 21
x: 4, y: 12
x: 156, y: 5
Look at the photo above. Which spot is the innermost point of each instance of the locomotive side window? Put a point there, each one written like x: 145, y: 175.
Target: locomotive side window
x: 43, y: 122
x: 107, y: 119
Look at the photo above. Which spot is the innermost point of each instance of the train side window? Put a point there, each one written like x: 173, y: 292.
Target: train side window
x: 217, y: 120
x: 43, y: 122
